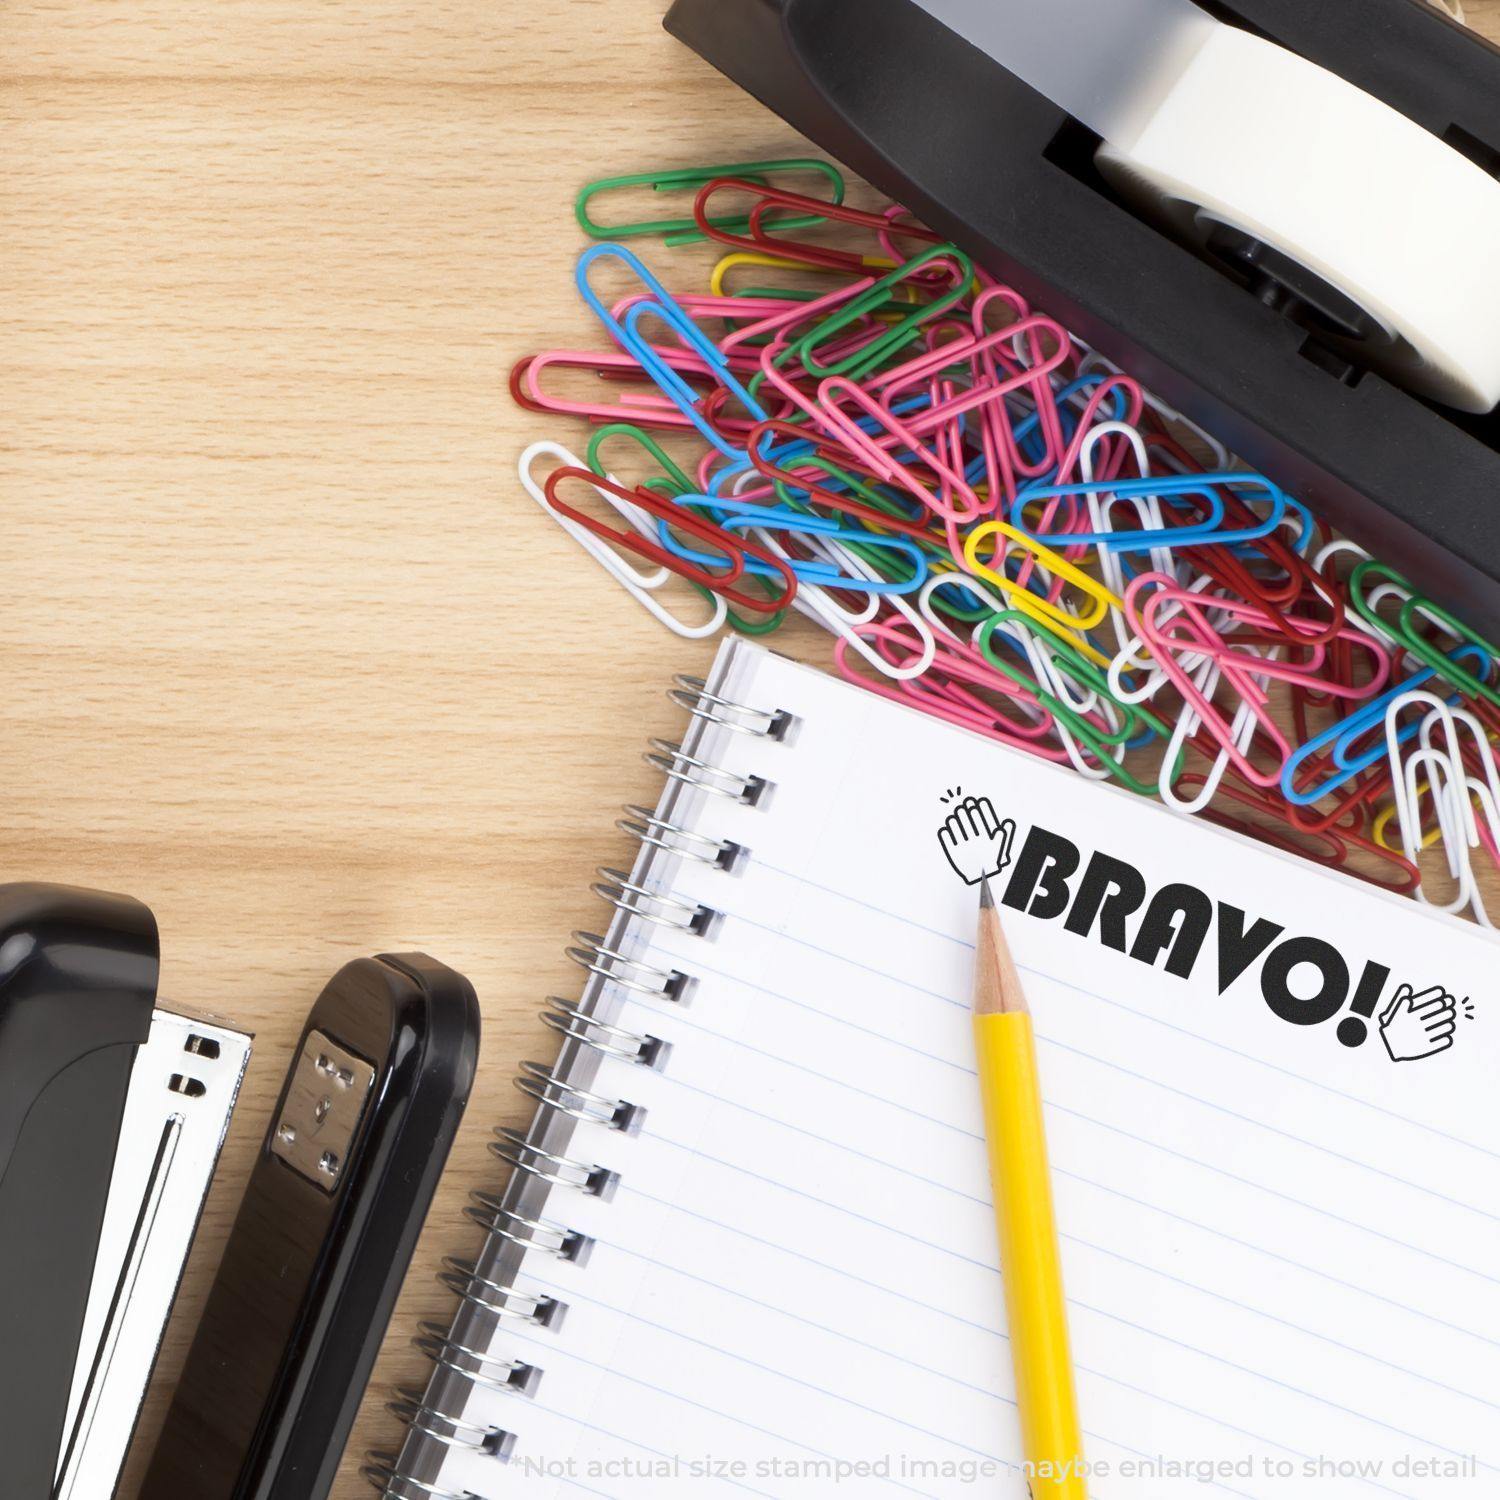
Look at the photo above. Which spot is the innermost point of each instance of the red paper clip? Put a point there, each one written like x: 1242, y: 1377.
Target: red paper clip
x: 736, y: 549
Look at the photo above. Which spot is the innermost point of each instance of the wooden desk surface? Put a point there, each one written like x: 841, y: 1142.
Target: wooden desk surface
x: 287, y: 654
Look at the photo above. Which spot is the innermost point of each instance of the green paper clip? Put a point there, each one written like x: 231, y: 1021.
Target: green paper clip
x: 1072, y: 664
x: 671, y: 472
x: 691, y: 179
x: 891, y: 288
x: 1405, y: 632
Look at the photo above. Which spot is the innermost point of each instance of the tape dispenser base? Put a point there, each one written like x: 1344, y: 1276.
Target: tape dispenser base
x: 1257, y: 348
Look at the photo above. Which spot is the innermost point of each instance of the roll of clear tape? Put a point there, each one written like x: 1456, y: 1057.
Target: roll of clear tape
x: 1254, y: 138
x: 1207, y: 126
x: 1107, y: 62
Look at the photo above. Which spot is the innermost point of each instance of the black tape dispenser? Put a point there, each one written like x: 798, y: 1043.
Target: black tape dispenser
x: 1282, y: 217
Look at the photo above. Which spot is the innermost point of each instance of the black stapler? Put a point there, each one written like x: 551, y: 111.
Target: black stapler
x: 78, y: 977
x: 1246, y: 344
x: 323, y: 1237
x: 111, y: 1118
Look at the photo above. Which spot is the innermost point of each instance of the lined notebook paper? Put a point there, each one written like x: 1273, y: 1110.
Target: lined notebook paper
x: 1282, y: 1251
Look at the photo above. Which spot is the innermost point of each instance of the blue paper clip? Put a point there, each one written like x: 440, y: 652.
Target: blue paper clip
x: 1028, y: 430
x: 792, y: 449
x: 736, y: 515
x: 1165, y: 488
x: 1347, y: 732
x: 628, y: 337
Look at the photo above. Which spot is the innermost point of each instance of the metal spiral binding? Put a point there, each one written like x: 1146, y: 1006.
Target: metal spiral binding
x: 676, y: 764
x: 486, y: 1210
x: 381, y: 1471
x: 537, y: 1082
x: 481, y: 1368
x: 506, y: 1377
x: 643, y: 825
x: 451, y: 1432
x: 568, y: 1019
x: 558, y: 1171
x: 616, y: 887
x: 591, y: 952
x: 692, y: 694
x: 462, y: 1276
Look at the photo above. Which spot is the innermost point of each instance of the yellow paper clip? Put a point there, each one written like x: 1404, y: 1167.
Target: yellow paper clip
x: 738, y: 258
x: 1074, y: 626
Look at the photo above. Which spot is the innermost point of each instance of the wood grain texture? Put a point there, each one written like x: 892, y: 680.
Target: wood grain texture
x: 287, y: 654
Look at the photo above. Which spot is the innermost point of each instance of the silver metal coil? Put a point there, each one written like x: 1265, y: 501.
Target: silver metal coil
x: 591, y: 952
x: 561, y: 1171
x: 568, y: 1019
x: 677, y: 765
x: 379, y: 1469
x: 462, y: 1276
x: 644, y: 826
x: 451, y: 1432
x: 538, y: 1082
x: 506, y: 1377
x: 488, y: 1211
x: 692, y: 694
x: 656, y: 907
x: 481, y: 1368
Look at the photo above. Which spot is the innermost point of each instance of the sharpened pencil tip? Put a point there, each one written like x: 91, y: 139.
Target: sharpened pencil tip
x: 997, y: 986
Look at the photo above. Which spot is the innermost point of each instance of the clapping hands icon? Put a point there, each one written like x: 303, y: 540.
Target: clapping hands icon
x: 976, y: 842
x: 1415, y: 1025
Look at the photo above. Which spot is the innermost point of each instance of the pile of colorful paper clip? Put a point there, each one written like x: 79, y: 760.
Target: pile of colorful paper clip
x: 1000, y: 528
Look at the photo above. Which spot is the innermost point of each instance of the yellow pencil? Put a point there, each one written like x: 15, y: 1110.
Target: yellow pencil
x: 1029, y: 1260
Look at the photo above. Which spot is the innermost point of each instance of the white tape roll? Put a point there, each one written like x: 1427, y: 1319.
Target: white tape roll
x: 1254, y: 137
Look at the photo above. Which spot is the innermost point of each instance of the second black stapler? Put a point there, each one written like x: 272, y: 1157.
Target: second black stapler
x: 323, y: 1237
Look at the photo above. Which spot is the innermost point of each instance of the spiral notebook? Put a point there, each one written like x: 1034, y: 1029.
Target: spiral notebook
x: 748, y: 1249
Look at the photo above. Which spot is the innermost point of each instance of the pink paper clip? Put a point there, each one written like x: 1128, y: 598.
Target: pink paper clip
x: 1200, y: 640
x: 645, y: 407
x: 876, y: 456
x: 1307, y: 673
x: 778, y: 323
x: 945, y: 690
